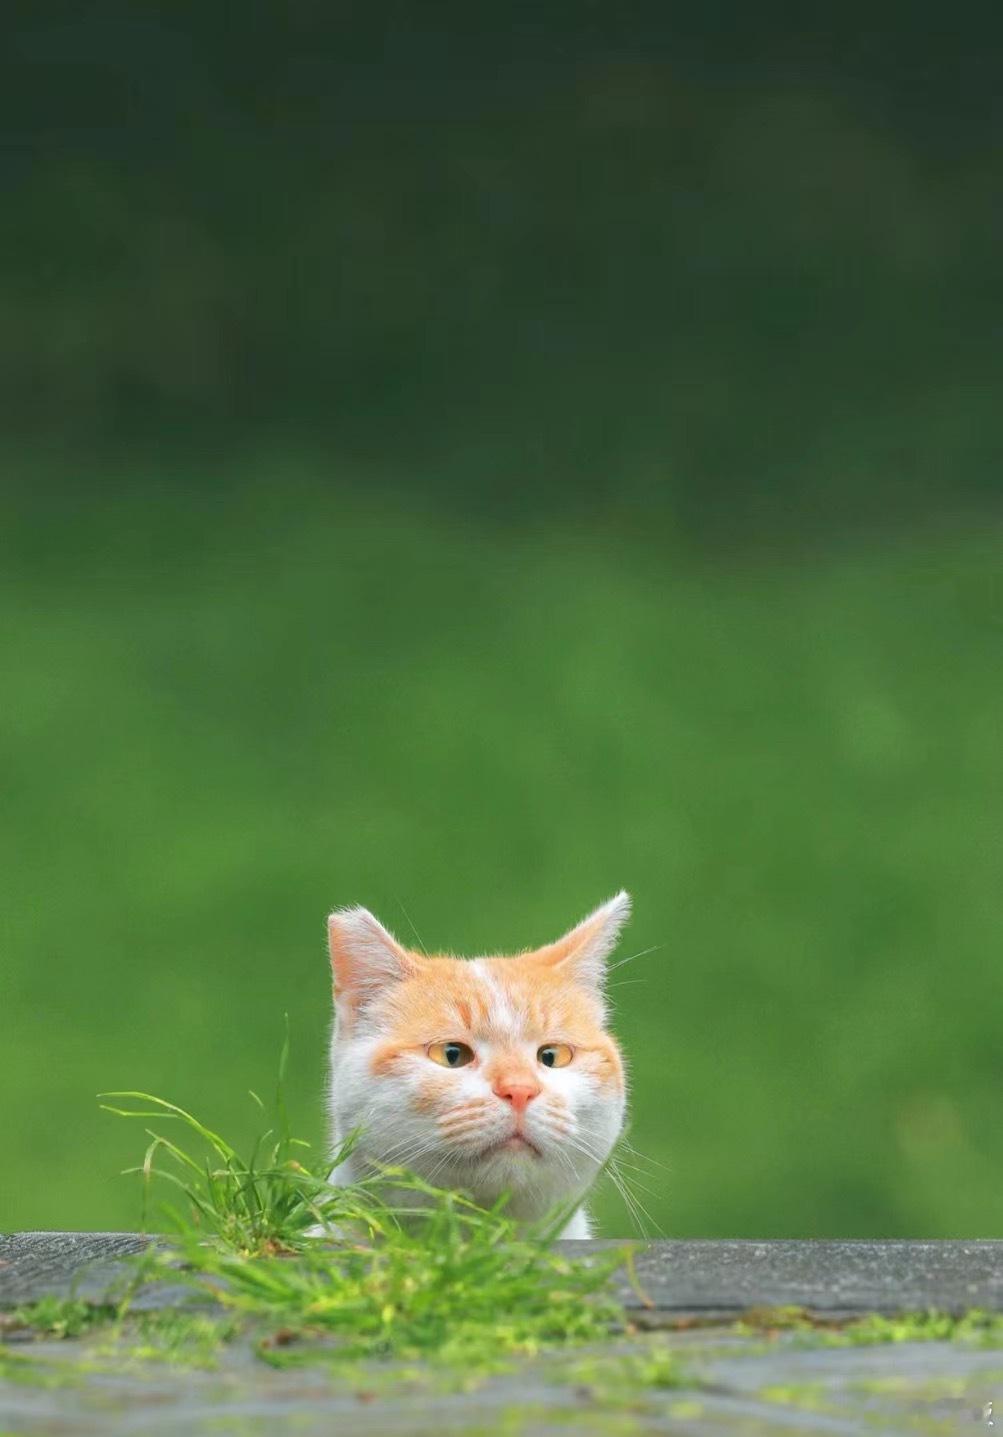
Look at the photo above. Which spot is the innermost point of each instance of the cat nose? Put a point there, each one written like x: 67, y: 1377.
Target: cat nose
x: 519, y: 1094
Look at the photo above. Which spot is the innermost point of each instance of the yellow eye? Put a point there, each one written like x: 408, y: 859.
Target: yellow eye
x: 450, y: 1055
x: 555, y: 1055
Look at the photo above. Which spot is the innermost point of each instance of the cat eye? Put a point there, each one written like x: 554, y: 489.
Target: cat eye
x: 450, y: 1055
x: 555, y: 1055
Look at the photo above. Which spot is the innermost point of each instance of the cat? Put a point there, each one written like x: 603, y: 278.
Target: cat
x: 484, y: 1075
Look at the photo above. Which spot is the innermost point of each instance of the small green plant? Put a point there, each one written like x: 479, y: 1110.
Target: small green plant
x: 21, y: 1368
x: 388, y: 1266
x: 61, y: 1316
x: 189, y: 1339
x: 610, y: 1377
x: 976, y: 1327
x: 269, y: 1201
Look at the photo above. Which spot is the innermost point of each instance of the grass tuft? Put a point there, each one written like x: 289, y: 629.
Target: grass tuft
x: 267, y: 1201
x: 388, y: 1267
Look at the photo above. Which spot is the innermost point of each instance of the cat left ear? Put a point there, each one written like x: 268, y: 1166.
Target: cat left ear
x: 582, y: 953
x: 365, y: 958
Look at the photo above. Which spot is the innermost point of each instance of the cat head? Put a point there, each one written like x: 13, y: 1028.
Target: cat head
x: 487, y: 1074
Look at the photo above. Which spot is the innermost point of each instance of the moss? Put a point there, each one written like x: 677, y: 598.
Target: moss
x: 26, y: 1369
x: 975, y: 1327
x: 611, y: 1377
x: 515, y: 1420
x: 810, y: 1395
x: 59, y: 1317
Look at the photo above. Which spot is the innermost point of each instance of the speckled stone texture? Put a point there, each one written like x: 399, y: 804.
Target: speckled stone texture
x: 680, y: 1278
x: 743, y: 1385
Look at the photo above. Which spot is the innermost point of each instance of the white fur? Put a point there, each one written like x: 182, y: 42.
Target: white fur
x: 574, y: 1122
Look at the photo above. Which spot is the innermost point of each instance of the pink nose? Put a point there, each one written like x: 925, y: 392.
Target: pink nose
x: 520, y: 1095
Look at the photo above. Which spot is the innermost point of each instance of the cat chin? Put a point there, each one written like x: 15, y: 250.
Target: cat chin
x: 522, y: 1174
x: 516, y: 1146
x: 534, y: 1184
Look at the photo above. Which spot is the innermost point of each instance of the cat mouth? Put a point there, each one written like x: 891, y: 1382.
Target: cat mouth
x: 514, y: 1143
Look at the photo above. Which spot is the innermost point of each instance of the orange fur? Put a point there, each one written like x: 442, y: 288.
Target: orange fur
x: 442, y: 999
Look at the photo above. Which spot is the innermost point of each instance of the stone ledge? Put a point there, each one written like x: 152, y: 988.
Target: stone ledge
x: 705, y: 1279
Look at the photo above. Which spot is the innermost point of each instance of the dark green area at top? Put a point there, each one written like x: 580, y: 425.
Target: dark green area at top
x: 285, y: 289
x: 709, y: 268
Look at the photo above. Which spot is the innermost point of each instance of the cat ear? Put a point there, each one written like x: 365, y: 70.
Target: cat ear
x: 582, y: 953
x: 365, y: 957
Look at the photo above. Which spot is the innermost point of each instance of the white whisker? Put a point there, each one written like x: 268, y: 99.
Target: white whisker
x: 412, y: 927
x: 643, y: 954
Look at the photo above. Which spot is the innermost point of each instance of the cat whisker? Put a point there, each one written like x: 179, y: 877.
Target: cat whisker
x: 635, y: 1206
x: 554, y: 1130
x: 566, y: 1160
x: 634, y: 1184
x: 403, y: 1153
x: 444, y: 1161
x: 471, y: 1105
x: 412, y: 1140
x: 638, y: 1212
x: 624, y: 1142
x: 555, y: 1117
x: 558, y: 1127
x: 643, y: 954
x: 634, y: 1167
x: 412, y: 927
x: 456, y: 1130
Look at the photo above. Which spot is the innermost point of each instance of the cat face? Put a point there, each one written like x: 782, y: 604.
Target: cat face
x: 489, y: 1074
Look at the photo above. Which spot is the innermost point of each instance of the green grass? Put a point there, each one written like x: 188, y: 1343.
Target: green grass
x: 452, y: 1283
x: 257, y: 1205
x: 236, y: 698
x: 317, y: 1272
x: 975, y: 1327
x: 59, y: 1316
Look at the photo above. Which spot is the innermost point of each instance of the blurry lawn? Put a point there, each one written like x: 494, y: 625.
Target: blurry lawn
x: 227, y: 710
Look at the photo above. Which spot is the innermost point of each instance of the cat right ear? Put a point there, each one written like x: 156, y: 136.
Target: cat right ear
x: 365, y: 958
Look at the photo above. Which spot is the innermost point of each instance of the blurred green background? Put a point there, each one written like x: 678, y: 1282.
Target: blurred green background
x: 467, y: 460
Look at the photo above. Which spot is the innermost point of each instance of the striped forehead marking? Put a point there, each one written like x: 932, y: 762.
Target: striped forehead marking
x: 504, y: 1018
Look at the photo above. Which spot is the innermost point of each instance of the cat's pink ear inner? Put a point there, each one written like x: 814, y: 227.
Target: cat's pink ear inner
x: 582, y: 953
x: 365, y: 958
